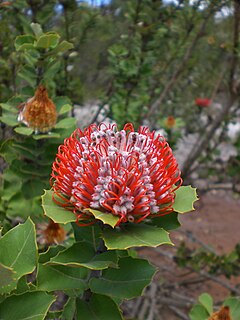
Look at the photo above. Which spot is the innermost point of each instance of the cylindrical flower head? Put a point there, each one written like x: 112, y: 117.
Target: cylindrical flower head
x: 39, y: 112
x: 132, y: 175
x: 203, y: 102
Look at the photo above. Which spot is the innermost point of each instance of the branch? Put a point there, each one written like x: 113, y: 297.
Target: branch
x: 180, y: 67
x: 203, y: 143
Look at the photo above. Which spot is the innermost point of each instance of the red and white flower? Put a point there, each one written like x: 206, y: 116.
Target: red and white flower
x: 132, y: 175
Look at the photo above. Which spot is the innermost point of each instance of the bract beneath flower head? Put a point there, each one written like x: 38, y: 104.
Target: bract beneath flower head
x: 132, y: 175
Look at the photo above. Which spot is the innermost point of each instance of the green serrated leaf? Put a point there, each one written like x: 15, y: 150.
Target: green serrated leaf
x: 10, y: 120
x: 37, y: 29
x: 50, y: 253
x: 52, y: 69
x: 185, y: 198
x: 30, y: 305
x: 23, y: 40
x: 65, y: 108
x: 9, y: 107
x: 60, y: 48
x: 50, y: 135
x: 98, y: 308
x: 55, y: 212
x: 69, y: 309
x: 66, y: 123
x: 234, y: 305
x: 24, y: 131
x: 126, y: 282
x: 106, y: 218
x: 89, y: 234
x: 167, y: 222
x: 135, y: 235
x: 52, y: 278
x: 18, y: 250
x: 6, y: 277
x: 198, y: 312
x: 81, y: 254
x: 48, y: 41
x: 207, y: 302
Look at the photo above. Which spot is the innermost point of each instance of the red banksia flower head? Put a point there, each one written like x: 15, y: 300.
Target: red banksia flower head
x: 203, y: 102
x: 39, y: 112
x: 132, y: 175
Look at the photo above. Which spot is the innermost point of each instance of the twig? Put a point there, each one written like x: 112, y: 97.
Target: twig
x: 203, y: 273
x: 193, y: 238
x: 181, y: 66
x: 178, y: 313
x: 203, y: 144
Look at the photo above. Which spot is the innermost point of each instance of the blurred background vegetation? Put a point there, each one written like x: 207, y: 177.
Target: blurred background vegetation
x: 147, y: 60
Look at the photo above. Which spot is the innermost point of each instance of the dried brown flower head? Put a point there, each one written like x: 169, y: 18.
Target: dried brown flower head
x: 170, y: 122
x: 39, y: 112
x: 51, y: 233
x: 222, y: 314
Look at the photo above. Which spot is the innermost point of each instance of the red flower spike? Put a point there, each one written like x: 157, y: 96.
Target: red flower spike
x: 132, y: 175
x: 203, y: 102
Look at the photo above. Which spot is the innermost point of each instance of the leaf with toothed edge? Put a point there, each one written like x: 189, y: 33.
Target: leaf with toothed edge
x: 135, y: 235
x: 126, y: 282
x: 55, y: 212
x: 185, y: 198
x: 106, y: 218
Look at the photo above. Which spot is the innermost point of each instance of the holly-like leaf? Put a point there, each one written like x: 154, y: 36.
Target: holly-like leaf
x: 48, y: 40
x: 52, y: 278
x: 30, y: 305
x: 126, y: 282
x: 10, y: 120
x: 6, y: 277
x: 98, y: 308
x: 66, y: 123
x: 198, y: 312
x: 135, y: 235
x: 9, y: 107
x: 60, y: 48
x: 24, y: 131
x: 23, y: 42
x: 69, y: 309
x: 167, y: 222
x: 89, y: 234
x: 50, y: 253
x: 65, y: 108
x: 106, y: 218
x: 207, y: 302
x: 234, y: 305
x: 37, y: 29
x: 50, y: 135
x: 18, y: 251
x: 185, y: 198
x: 81, y: 254
x: 55, y: 212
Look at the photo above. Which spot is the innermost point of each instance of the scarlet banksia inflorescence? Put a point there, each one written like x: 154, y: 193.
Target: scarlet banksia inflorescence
x: 132, y: 175
x: 39, y: 112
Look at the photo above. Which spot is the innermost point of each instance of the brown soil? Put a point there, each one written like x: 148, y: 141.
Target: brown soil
x: 215, y: 223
